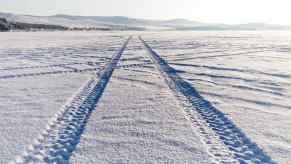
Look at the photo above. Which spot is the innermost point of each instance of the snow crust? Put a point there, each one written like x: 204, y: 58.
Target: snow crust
x: 245, y: 75
x: 138, y: 120
x: 39, y: 72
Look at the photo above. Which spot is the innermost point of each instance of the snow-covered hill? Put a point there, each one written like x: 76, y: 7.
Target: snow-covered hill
x: 124, y: 23
x: 82, y: 21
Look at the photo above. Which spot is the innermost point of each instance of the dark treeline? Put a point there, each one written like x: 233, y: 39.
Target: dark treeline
x: 28, y: 26
x: 7, y: 26
x: 4, y: 25
x: 15, y: 26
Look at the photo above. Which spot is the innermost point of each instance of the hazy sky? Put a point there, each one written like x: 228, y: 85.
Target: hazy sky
x: 224, y: 11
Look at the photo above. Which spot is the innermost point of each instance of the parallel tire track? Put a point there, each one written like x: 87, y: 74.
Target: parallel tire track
x: 63, y: 132
x: 226, y: 143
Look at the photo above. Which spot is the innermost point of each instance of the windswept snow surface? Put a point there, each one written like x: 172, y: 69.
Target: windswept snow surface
x: 246, y: 75
x: 138, y: 120
x: 38, y: 73
x: 181, y: 97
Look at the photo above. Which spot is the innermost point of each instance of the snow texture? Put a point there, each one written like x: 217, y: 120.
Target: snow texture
x: 166, y: 97
x: 145, y: 129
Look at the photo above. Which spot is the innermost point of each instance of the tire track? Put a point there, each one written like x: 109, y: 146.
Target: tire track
x: 72, y: 70
x: 248, y: 53
x: 40, y: 66
x: 224, y: 140
x: 63, y: 132
x: 249, y: 71
x: 48, y: 73
x: 134, y: 65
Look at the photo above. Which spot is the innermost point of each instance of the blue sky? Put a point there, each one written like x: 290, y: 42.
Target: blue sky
x: 224, y: 11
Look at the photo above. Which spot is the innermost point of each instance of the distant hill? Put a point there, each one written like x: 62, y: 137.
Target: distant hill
x: 126, y: 23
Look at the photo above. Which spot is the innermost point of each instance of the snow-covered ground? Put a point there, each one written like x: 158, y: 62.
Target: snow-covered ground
x: 134, y: 121
x: 246, y: 75
x: 149, y: 106
x: 38, y: 73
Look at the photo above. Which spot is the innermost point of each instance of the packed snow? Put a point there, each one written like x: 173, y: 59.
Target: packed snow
x: 246, y: 75
x: 134, y: 121
x: 167, y: 97
x: 36, y: 79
